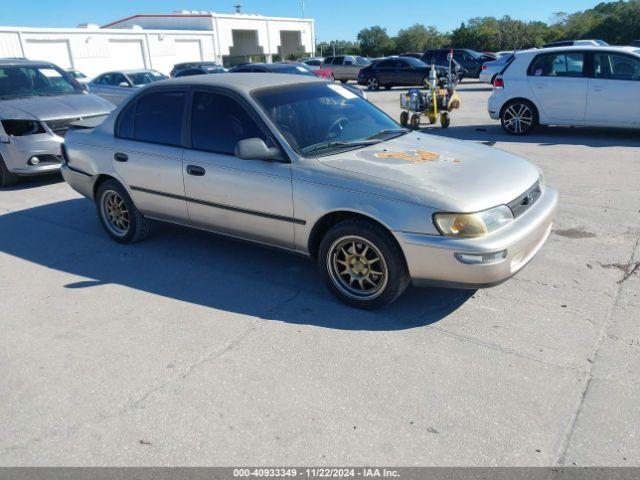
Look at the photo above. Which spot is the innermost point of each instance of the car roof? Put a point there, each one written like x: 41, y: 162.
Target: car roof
x: 241, y: 83
x: 578, y: 48
x: 23, y: 61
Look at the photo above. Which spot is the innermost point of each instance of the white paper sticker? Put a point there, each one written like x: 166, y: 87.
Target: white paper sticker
x: 50, y: 72
x: 343, y: 92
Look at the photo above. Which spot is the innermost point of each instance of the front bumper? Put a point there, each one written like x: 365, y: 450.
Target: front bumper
x: 19, y: 150
x: 432, y: 259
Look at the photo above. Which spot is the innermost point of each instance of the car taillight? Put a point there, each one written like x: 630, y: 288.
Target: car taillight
x: 498, y: 83
x: 484, y: 67
x: 63, y: 151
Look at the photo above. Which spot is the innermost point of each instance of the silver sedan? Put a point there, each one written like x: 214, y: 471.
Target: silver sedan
x: 310, y: 167
x: 116, y: 86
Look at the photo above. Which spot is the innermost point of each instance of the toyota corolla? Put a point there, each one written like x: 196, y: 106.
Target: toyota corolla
x: 310, y: 167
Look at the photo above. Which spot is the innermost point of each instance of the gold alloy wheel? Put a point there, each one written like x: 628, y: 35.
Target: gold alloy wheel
x: 115, y: 213
x: 357, y: 268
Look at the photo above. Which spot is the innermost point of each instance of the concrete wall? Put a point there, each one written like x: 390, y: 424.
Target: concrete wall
x: 93, y: 51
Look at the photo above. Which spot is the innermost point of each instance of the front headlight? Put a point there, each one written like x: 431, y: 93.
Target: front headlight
x: 470, y: 225
x: 19, y: 128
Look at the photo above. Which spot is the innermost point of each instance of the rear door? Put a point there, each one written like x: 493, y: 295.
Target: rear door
x: 337, y: 65
x: 385, y: 72
x: 559, y: 85
x: 614, y: 90
x: 148, y: 154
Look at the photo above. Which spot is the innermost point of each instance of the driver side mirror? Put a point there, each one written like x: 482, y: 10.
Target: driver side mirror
x: 256, y: 149
x: 123, y: 84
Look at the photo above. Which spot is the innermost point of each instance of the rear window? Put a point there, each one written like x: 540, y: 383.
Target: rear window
x: 157, y: 118
x: 567, y: 64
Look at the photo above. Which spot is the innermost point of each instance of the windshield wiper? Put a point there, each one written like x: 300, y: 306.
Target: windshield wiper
x: 350, y: 143
x: 396, y: 132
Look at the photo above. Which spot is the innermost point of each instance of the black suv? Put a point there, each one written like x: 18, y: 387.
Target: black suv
x: 470, y: 60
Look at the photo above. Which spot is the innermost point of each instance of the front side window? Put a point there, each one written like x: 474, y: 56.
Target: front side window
x: 613, y: 66
x: 117, y: 79
x: 158, y: 118
x: 319, y: 118
x: 219, y: 122
x: 558, y: 65
x: 27, y: 81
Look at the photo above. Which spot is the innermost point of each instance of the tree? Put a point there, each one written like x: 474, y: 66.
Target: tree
x: 375, y: 41
x: 418, y: 38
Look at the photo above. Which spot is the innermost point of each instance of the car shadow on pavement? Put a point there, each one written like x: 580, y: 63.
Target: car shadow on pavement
x: 543, y: 136
x: 25, y: 183
x: 203, y: 269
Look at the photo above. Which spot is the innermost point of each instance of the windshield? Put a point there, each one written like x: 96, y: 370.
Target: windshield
x: 28, y: 81
x: 143, y: 78
x: 319, y: 118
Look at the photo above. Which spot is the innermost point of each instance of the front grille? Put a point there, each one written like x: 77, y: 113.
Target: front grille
x: 61, y: 126
x: 526, y: 200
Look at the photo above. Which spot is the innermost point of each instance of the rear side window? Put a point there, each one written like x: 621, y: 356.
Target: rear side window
x: 558, y: 65
x: 338, y: 61
x: 158, y: 118
x: 125, y: 121
x: 219, y: 122
x: 385, y: 64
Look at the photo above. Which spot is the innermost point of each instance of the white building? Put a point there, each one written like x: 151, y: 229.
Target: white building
x: 160, y: 41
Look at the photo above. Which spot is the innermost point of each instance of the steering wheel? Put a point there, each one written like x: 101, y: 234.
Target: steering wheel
x: 336, y: 127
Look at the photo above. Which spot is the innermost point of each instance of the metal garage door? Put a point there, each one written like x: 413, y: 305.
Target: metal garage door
x: 126, y: 54
x: 54, y: 51
x: 188, y: 51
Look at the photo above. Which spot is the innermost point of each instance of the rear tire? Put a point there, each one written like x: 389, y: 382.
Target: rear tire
x: 120, y: 218
x: 518, y: 117
x: 415, y: 121
x: 6, y: 177
x: 362, y: 264
x: 404, y: 119
x: 373, y: 84
x: 343, y: 80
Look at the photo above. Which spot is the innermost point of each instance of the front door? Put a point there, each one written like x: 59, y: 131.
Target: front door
x: 614, y: 90
x: 147, y: 155
x: 559, y: 85
x: 250, y: 199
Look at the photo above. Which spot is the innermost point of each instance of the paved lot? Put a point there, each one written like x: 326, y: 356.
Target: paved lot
x: 189, y: 349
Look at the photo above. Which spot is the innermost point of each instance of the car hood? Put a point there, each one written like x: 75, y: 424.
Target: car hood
x: 55, y: 107
x: 442, y: 173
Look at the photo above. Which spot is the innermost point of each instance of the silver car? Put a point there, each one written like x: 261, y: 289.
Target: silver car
x: 345, y: 67
x: 116, y: 86
x: 310, y: 167
x: 38, y: 102
x: 490, y: 70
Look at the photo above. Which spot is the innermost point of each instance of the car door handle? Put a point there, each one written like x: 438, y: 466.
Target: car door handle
x: 597, y: 89
x: 195, y: 170
x: 120, y: 157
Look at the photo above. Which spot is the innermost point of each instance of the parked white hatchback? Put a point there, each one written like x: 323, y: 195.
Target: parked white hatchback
x: 582, y: 85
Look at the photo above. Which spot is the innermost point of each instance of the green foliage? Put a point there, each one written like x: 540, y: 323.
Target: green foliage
x: 419, y: 38
x: 616, y: 22
x: 375, y: 42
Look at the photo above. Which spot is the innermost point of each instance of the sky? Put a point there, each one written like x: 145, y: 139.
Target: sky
x: 335, y: 19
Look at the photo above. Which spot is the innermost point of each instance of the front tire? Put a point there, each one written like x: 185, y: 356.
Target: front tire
x: 6, y: 177
x: 373, y: 84
x: 518, y: 117
x: 362, y: 264
x: 120, y: 218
